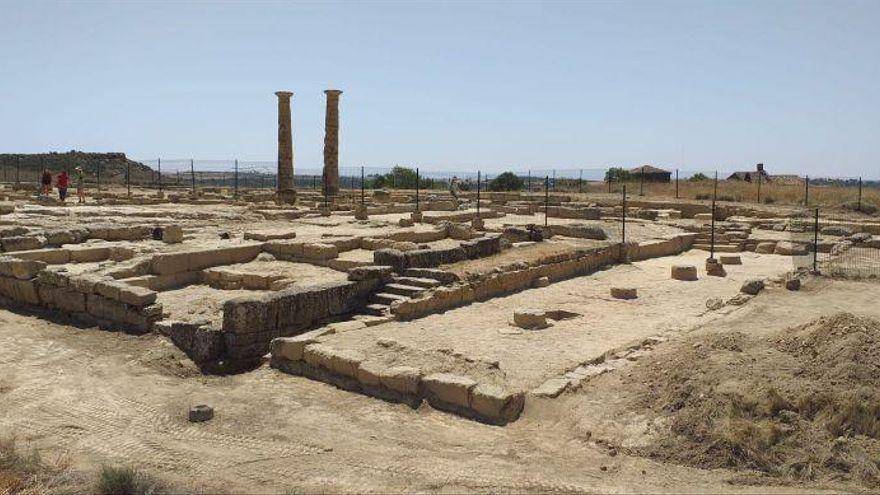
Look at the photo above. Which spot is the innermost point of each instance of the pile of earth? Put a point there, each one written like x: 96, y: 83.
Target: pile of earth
x: 803, y: 404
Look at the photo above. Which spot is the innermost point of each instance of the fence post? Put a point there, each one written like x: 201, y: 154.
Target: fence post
x: 642, y: 182
x: 235, y: 185
x: 807, y: 191
x: 546, y: 199
x: 17, y: 170
x: 816, y: 242
x: 860, y: 195
x: 159, y: 160
x: 478, y: 193
x: 99, y: 176
x: 623, y: 220
x: 178, y: 178
x: 417, y: 193
x: 580, y: 181
x: 554, y: 179
x: 529, y: 181
x: 128, y: 177
x: 759, y: 188
x: 676, y: 183
x: 363, y: 184
x: 714, y: 197
x: 192, y: 173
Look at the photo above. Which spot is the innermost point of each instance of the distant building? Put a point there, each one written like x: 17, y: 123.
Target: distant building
x: 751, y: 176
x: 650, y: 174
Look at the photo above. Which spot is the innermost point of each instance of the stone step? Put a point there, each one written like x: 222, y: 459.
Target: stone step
x: 387, y: 299
x: 403, y: 290
x: 719, y: 248
x: 377, y: 309
x: 427, y: 283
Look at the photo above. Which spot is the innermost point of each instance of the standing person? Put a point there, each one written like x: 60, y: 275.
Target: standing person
x: 62, y: 182
x: 79, y: 180
x: 46, y: 182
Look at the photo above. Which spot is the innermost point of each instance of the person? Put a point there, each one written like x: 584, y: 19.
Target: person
x: 62, y: 182
x: 454, y: 186
x: 46, y: 182
x: 79, y: 179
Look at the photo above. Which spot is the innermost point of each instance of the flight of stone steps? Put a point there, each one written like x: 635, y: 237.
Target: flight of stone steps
x: 726, y: 240
x: 398, y: 289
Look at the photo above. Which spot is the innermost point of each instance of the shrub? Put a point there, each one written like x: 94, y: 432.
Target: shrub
x: 698, y: 177
x: 703, y: 196
x: 768, y: 200
x: 866, y: 208
x: 726, y: 197
x: 617, y: 174
x: 508, y: 181
x: 126, y: 481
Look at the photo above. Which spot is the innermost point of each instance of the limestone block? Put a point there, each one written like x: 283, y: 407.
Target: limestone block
x: 552, y: 387
x: 402, y: 379
x: 52, y: 256
x: 23, y: 243
x: 752, y: 287
x: 369, y: 373
x: 765, y: 247
x: 55, y: 276
x: 89, y: 254
x: 684, y: 272
x: 715, y: 268
x: 173, y: 234
x: 369, y: 272
x: 394, y: 258
x: 119, y: 253
x: 110, y: 289
x: 793, y: 284
x: 317, y: 355
x: 731, y: 260
x: 789, y: 248
x: 449, y: 389
x: 289, y: 249
x: 539, y: 282
x: 530, y: 318
x: 496, y: 404
x: 22, y: 291
x: 137, y: 296
x: 21, y: 269
x: 85, y: 283
x: 320, y: 251
x: 624, y: 293
x: 406, y: 222
x: 836, y: 230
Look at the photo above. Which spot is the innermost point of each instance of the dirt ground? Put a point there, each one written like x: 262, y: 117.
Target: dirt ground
x: 105, y: 397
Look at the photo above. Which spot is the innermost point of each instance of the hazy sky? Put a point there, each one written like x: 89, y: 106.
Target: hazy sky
x: 696, y: 85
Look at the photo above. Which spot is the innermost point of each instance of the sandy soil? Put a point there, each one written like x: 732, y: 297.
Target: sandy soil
x: 198, y: 302
x: 526, y: 358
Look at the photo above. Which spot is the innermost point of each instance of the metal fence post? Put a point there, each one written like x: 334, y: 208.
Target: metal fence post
x: 192, y: 172
x: 623, y: 219
x: 363, y: 184
x: 128, y: 178
x: 99, y: 176
x: 417, y: 193
x: 807, y: 191
x: 546, y: 199
x: 581, y: 181
x: 714, y: 198
x: 676, y: 183
x: 642, y: 182
x: 529, y: 183
x: 816, y: 243
x: 554, y: 179
x: 236, y: 179
x: 759, y: 188
x: 478, y: 193
x: 159, y: 160
x: 17, y: 170
x: 860, y: 195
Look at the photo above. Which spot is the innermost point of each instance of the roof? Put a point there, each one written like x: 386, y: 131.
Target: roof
x: 648, y: 169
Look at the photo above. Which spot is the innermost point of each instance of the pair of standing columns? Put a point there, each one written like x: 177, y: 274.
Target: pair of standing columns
x: 286, y: 189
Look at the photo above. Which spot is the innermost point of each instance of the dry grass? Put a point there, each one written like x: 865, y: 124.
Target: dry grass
x: 24, y: 471
x: 836, y: 196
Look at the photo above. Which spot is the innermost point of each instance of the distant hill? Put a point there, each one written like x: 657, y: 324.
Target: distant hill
x: 112, y: 166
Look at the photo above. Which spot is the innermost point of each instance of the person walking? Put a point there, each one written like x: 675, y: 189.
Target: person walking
x: 46, y: 182
x: 62, y: 182
x: 79, y: 180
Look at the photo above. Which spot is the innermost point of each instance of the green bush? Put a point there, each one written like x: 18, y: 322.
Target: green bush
x: 698, y: 177
x: 617, y: 174
x: 508, y: 181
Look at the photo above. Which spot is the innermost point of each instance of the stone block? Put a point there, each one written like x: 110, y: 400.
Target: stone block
x: 344, y: 362
x: 394, y: 258
x: 731, y: 260
x: 789, y: 248
x: 793, y: 284
x: 552, y: 387
x: 369, y: 373
x: 752, y: 287
x: 495, y: 404
x: 21, y: 269
x: 173, y: 234
x: 320, y: 251
x: 369, y: 272
x: 449, y: 389
x: 530, y: 318
x: 624, y: 293
x: 54, y: 276
x: 285, y: 249
x: 684, y: 272
x: 137, y: 296
x: 21, y: 291
x: 402, y: 379
x: 110, y: 289
x: 89, y: 254
x: 23, y: 243
x: 765, y: 247
x: 714, y: 268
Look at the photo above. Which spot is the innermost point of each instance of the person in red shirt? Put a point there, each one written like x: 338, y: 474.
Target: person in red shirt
x: 62, y: 182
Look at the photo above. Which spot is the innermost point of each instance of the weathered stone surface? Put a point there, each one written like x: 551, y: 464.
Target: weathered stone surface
x: 495, y: 404
x: 405, y: 222
x: 369, y: 373
x: 291, y: 348
x: 624, y: 293
x: 542, y: 282
x: 200, y: 413
x: 402, y: 379
x: 715, y: 268
x: 789, y: 248
x: 552, y: 387
x: 23, y: 243
x: 731, y: 260
x: 185, y: 261
x: 684, y: 272
x: 837, y: 230
x: 449, y: 389
x: 173, y: 234
x: 21, y: 269
x: 530, y: 318
x: 752, y: 287
x: 382, y: 272
x: 137, y: 296
x: 331, y: 144
x: 765, y: 247
x: 793, y: 284
x: 320, y: 251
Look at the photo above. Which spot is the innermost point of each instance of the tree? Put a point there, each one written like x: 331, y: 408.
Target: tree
x: 617, y: 174
x: 399, y: 178
x: 699, y: 176
x: 508, y: 181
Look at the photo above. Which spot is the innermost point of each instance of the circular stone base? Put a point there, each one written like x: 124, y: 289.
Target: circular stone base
x: 200, y: 413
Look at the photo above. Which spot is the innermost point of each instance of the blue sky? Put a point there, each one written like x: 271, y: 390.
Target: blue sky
x: 460, y: 85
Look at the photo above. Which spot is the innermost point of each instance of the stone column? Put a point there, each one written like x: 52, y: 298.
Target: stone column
x: 331, y: 144
x: 286, y: 192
